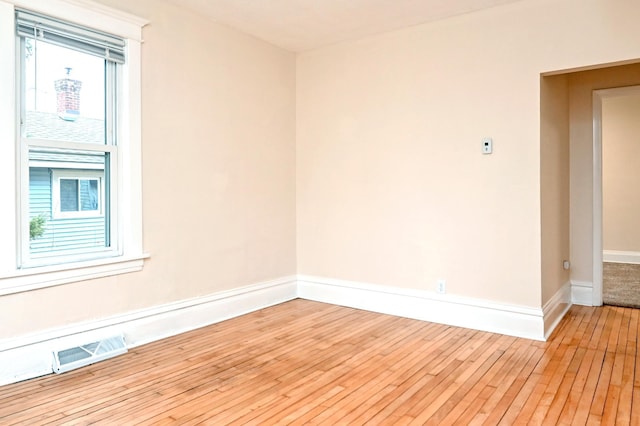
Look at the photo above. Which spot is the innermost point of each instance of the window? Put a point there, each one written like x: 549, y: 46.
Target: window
x: 77, y: 194
x: 73, y: 91
x: 68, y: 107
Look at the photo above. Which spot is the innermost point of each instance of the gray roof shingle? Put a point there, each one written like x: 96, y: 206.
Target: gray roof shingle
x: 47, y: 125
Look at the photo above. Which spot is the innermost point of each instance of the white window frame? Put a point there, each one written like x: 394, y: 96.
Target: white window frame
x: 57, y: 175
x: 129, y: 256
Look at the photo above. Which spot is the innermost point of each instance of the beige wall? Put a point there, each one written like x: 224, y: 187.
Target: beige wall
x: 378, y: 165
x: 581, y: 87
x: 621, y: 172
x: 392, y: 188
x: 554, y: 182
x: 218, y: 173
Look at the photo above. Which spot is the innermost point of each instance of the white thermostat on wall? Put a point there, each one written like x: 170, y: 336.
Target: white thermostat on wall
x: 487, y: 145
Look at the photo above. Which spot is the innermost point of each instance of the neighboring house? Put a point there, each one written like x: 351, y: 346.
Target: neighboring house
x: 66, y: 189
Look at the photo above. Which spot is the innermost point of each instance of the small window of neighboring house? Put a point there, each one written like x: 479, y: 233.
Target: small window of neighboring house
x: 77, y: 194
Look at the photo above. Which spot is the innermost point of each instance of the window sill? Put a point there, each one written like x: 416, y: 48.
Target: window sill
x: 35, y: 278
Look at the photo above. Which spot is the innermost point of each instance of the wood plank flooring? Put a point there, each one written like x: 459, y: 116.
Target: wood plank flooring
x: 304, y: 362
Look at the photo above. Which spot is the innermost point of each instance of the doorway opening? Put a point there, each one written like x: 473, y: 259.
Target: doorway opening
x: 571, y: 178
x: 616, y: 199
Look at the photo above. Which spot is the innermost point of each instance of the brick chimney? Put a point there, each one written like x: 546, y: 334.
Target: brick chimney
x: 68, y: 91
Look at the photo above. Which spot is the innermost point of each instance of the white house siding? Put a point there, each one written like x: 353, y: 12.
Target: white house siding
x: 60, y: 234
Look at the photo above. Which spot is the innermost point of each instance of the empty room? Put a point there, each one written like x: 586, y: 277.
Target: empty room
x: 318, y: 212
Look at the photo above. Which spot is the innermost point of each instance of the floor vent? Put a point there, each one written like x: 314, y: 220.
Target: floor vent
x: 79, y: 356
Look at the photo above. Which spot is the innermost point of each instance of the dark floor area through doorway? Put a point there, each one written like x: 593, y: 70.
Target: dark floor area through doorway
x: 621, y: 284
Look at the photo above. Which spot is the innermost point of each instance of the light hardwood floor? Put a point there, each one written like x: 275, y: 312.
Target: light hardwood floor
x: 304, y: 362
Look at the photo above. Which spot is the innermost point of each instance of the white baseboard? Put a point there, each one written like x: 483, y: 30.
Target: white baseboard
x: 31, y: 356
x: 513, y: 320
x: 617, y: 256
x: 556, y: 308
x: 582, y: 293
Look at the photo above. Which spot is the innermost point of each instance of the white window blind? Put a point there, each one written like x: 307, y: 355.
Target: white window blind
x: 67, y: 34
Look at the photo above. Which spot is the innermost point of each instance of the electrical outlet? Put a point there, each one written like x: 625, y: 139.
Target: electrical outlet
x: 442, y: 286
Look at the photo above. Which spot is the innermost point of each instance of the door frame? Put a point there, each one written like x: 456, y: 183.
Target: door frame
x: 598, y: 96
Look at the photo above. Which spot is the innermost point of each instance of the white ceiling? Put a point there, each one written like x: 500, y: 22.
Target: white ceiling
x: 299, y: 25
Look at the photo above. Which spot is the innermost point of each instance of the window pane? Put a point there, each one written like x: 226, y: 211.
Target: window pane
x: 88, y: 195
x: 64, y: 94
x: 68, y: 195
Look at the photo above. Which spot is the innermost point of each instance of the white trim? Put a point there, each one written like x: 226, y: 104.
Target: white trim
x: 556, y: 308
x: 8, y: 172
x: 620, y: 256
x: 57, y: 174
x: 130, y: 157
x: 48, y: 276
x: 582, y: 293
x: 596, y: 293
x: 477, y: 314
x: 30, y: 356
